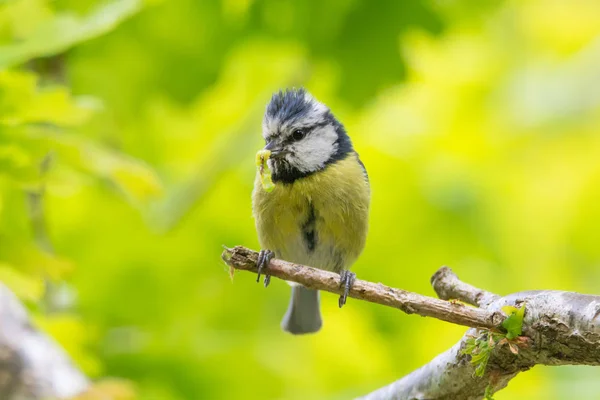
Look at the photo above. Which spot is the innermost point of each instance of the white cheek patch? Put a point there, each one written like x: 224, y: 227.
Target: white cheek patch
x: 311, y: 153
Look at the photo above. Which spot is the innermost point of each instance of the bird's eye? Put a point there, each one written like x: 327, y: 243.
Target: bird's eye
x: 298, y: 134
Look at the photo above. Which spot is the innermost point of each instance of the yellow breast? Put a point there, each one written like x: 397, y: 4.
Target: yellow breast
x: 320, y: 220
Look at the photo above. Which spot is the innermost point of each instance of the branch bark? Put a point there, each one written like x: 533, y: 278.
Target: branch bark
x: 409, y: 302
x: 32, y: 366
x: 447, y: 286
x: 559, y: 328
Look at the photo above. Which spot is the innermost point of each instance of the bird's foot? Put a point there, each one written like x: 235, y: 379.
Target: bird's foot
x: 347, y: 279
x: 264, y: 257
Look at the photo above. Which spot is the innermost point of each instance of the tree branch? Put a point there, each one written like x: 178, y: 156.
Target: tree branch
x: 447, y: 286
x: 562, y: 329
x: 559, y: 328
x: 32, y: 366
x: 411, y: 303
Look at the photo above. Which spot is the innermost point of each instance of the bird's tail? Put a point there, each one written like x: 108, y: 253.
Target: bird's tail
x: 303, y: 314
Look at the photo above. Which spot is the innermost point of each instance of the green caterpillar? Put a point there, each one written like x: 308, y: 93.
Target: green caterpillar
x: 263, y: 169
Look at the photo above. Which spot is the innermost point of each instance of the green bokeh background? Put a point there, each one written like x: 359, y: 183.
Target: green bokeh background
x: 136, y: 124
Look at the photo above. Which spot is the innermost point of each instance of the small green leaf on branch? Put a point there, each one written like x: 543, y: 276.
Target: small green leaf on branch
x: 514, y: 322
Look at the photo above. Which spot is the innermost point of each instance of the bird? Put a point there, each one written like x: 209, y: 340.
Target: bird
x: 318, y: 212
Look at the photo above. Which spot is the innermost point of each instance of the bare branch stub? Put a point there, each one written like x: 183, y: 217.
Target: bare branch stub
x: 448, y: 286
x: 409, y: 302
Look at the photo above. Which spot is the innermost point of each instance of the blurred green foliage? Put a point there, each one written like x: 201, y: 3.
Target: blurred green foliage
x: 127, y: 136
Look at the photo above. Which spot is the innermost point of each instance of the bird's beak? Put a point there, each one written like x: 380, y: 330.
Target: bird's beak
x: 276, y: 151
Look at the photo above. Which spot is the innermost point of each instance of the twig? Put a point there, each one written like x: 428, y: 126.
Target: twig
x: 409, y: 302
x: 447, y: 286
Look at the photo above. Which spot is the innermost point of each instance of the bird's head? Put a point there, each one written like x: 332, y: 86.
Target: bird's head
x: 302, y: 135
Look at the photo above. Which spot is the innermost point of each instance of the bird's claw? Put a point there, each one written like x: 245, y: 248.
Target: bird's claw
x: 264, y: 257
x: 347, y: 279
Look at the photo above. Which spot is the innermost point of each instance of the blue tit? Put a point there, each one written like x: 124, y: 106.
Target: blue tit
x: 317, y: 213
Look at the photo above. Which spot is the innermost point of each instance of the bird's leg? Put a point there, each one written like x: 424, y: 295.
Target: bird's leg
x: 264, y: 257
x: 347, y: 279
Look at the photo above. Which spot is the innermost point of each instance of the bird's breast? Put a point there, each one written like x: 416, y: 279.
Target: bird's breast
x: 320, y: 220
